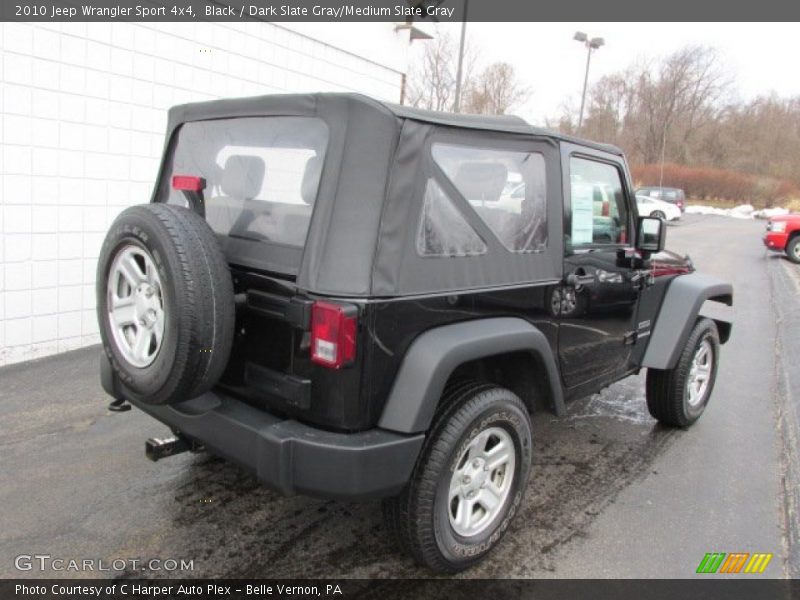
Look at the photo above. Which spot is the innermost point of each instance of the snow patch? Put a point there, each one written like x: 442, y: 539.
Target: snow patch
x: 766, y: 213
x: 743, y: 211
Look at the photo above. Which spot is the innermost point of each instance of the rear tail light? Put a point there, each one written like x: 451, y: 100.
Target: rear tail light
x: 606, y: 209
x: 333, y: 334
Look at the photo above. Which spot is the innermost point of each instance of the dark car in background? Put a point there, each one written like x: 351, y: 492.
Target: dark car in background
x: 668, y: 194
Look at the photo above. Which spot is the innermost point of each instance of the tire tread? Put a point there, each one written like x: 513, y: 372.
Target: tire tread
x: 409, y: 515
x: 664, y: 388
x: 204, y: 293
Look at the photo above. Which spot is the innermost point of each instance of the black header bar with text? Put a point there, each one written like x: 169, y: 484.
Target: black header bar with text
x: 397, y: 10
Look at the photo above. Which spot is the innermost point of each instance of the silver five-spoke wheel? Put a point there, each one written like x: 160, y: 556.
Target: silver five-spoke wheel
x: 135, y: 305
x: 700, y: 373
x: 481, y: 481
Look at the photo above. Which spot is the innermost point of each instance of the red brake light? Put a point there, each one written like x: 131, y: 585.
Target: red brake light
x: 188, y: 183
x: 333, y: 335
x: 606, y: 209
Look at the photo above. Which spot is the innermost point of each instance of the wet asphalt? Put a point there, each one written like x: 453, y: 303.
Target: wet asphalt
x: 612, y: 493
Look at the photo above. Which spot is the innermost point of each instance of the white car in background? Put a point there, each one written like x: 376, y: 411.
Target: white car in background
x: 653, y: 207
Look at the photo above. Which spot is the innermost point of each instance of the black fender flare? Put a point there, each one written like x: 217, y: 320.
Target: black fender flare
x: 435, y: 354
x: 687, y: 298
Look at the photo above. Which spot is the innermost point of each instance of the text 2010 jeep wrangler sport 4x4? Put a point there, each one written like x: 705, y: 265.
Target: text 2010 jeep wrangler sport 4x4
x: 356, y: 299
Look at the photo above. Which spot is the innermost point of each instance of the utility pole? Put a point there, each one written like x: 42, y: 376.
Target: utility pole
x: 459, y: 70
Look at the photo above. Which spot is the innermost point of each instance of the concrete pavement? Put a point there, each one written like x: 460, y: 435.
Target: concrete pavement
x: 612, y: 493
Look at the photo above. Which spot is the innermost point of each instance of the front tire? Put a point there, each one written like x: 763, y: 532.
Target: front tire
x: 793, y: 249
x: 678, y: 397
x: 469, y: 480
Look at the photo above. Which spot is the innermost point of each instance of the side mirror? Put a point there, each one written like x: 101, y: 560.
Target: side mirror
x: 651, y: 234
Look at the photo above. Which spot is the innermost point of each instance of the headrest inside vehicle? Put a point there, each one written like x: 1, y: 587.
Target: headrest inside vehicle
x: 310, y: 183
x: 482, y: 181
x: 243, y: 176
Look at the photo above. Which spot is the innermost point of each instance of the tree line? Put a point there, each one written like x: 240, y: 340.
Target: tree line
x: 492, y: 90
x: 679, y: 111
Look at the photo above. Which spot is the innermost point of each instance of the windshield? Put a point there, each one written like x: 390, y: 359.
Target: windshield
x: 262, y: 174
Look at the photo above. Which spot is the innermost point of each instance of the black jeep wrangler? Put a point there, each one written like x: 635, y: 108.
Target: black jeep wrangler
x: 356, y: 299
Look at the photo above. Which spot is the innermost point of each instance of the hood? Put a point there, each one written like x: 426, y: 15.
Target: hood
x: 789, y: 217
x: 670, y: 263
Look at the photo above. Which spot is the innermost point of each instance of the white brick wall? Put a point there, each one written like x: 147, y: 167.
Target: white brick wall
x: 83, y: 110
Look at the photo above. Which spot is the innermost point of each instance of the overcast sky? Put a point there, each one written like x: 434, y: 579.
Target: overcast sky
x: 758, y: 57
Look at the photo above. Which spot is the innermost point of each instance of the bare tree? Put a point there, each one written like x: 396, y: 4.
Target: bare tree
x: 432, y: 81
x: 761, y: 137
x: 611, y: 101
x: 655, y: 107
x: 495, y: 91
x: 679, y: 109
x: 681, y: 99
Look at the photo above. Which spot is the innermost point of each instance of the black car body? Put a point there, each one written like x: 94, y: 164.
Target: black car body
x: 393, y: 264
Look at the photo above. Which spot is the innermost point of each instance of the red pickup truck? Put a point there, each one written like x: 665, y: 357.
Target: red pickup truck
x: 783, y: 235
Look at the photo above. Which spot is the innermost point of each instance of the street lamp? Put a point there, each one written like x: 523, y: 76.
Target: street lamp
x: 591, y: 44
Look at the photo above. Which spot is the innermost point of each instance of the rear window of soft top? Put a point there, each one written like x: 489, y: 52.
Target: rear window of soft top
x: 262, y: 174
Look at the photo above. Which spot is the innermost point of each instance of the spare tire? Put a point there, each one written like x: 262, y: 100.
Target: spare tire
x: 164, y: 303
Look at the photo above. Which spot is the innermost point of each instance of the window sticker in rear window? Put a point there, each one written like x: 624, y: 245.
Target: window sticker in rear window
x: 582, y: 213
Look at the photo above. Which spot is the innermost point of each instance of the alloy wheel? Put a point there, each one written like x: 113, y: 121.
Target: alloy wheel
x: 136, y: 305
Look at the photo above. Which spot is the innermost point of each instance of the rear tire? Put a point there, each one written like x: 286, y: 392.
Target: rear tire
x: 164, y: 303
x: 459, y: 503
x: 658, y: 215
x: 677, y: 397
x: 793, y: 249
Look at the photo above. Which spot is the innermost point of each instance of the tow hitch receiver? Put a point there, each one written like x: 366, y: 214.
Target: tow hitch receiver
x: 157, y: 448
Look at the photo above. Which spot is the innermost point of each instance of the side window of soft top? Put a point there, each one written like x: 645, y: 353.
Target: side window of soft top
x: 505, y: 188
x: 599, y: 214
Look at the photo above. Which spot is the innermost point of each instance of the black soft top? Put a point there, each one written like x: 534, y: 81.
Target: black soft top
x: 291, y: 104
x: 505, y: 123
x: 361, y: 236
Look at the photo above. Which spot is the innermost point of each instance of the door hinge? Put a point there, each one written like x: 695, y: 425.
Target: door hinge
x: 629, y: 338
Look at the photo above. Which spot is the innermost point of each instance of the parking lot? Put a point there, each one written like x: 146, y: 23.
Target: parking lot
x: 612, y: 494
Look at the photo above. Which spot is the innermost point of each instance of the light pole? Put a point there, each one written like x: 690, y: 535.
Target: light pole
x: 591, y: 44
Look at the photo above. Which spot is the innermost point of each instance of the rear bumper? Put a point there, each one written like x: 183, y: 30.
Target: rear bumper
x: 287, y: 455
x: 775, y: 240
